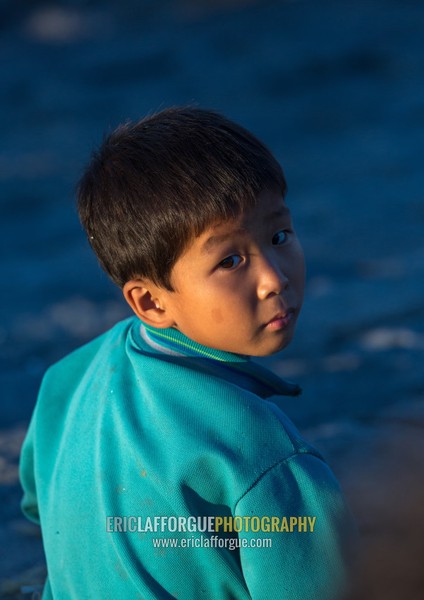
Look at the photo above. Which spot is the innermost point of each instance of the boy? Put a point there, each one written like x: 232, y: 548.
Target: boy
x: 159, y: 461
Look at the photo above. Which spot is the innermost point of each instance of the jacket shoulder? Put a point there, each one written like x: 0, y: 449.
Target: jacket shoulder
x: 69, y: 370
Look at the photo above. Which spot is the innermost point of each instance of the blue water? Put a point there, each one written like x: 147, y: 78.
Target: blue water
x: 335, y: 88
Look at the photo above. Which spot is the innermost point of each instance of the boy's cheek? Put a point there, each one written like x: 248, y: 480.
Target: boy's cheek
x: 217, y: 316
x: 299, y: 265
x: 297, y: 280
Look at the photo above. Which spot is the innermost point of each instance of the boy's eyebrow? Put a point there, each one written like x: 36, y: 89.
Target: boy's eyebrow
x: 216, y: 240
x: 283, y: 211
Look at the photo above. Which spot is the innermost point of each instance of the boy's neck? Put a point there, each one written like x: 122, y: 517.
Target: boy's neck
x: 236, y: 368
x: 172, y: 341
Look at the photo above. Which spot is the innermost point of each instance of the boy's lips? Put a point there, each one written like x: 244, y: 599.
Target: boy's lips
x: 281, y: 319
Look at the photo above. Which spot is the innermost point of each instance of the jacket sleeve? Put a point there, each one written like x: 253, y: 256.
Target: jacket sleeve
x: 29, y: 503
x: 300, y: 564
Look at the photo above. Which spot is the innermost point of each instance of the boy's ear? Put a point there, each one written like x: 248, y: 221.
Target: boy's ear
x: 146, y: 300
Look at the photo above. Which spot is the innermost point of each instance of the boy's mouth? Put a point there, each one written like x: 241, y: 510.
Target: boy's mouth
x: 281, y: 320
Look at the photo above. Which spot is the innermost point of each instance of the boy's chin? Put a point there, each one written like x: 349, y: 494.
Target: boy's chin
x: 270, y: 350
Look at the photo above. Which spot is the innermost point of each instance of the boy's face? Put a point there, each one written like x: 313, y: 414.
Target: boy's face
x: 239, y: 286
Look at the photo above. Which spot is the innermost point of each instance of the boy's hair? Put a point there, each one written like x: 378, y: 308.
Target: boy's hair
x: 156, y: 184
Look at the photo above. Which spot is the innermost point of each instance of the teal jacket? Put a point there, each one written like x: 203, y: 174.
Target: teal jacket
x: 144, y: 423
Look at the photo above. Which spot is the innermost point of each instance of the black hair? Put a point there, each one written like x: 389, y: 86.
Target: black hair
x: 154, y: 185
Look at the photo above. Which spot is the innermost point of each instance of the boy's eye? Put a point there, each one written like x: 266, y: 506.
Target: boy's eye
x: 280, y: 237
x: 231, y: 262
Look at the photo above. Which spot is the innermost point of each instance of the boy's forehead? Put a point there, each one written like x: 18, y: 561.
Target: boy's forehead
x: 262, y: 214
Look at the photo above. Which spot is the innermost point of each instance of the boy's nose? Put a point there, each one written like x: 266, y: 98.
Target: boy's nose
x: 272, y: 279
